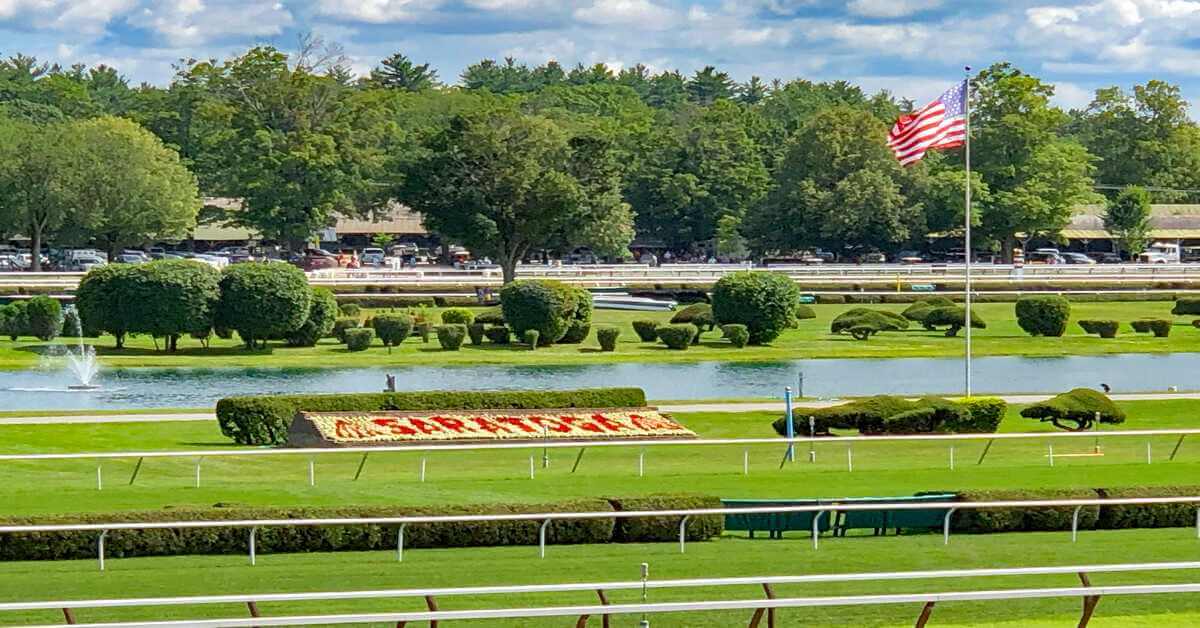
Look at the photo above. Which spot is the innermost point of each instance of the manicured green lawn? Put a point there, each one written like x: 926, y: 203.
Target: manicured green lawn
x: 497, y: 477
x: 811, y: 340
x: 727, y: 557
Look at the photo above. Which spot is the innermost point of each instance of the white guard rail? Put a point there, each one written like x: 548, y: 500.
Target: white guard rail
x: 430, y: 595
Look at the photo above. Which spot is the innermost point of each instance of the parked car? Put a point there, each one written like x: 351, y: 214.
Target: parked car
x: 129, y: 258
x: 874, y: 258
x: 1077, y: 258
x: 1045, y: 256
x: 317, y: 259
x: 83, y: 263
x: 1108, y: 258
x: 372, y: 256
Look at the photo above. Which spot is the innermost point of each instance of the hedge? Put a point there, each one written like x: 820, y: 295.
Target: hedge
x: 499, y: 334
x: 764, y: 302
x: 647, y: 331
x: 698, y: 314
x: 264, y: 420
x: 1076, y: 410
x: 451, y: 336
x: 1049, y: 519
x: 737, y: 334
x: 262, y: 300
x: 1161, y: 328
x: 458, y: 316
x: 322, y: 312
x: 1102, y: 328
x: 359, y: 338
x: 476, y: 332
x: 1043, y: 315
x: 917, y: 311
x: 547, y: 306
x: 607, y: 337
x: 953, y: 317
x: 665, y: 529
x: 1149, y: 515
x: 881, y: 320
x: 1186, y: 306
x: 677, y: 336
x: 886, y: 414
x: 341, y: 325
x: 392, y: 329
x: 44, y: 318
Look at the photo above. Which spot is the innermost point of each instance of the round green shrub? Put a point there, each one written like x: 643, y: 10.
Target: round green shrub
x: 458, y: 316
x: 698, y: 314
x: 359, y: 338
x: 322, y: 312
x: 476, y: 332
x: 1102, y: 328
x: 531, y: 337
x: 764, y: 302
x: 577, y: 332
x: 803, y: 312
x: 44, y: 318
x: 350, y: 310
x: 15, y: 320
x: 647, y: 331
x: 498, y: 334
x: 581, y: 321
x: 1043, y: 315
x: 1076, y: 410
x: 677, y: 336
x: 881, y: 320
x: 736, y: 333
x: 451, y: 336
x: 342, y: 325
x: 607, y: 337
x: 547, y: 306
x: 392, y: 329
x: 1186, y: 306
x: 263, y: 300
x: 1161, y: 328
x: 952, y: 318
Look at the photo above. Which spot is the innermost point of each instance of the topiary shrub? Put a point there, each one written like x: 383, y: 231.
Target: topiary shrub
x: 1161, y: 328
x: 490, y: 316
x: 1043, y: 315
x: 424, y: 329
x: 887, y: 414
x: 44, y: 318
x: 359, y: 338
x: 607, y: 337
x: 803, y: 312
x: 342, y: 325
x: 392, y: 329
x: 547, y: 306
x: 698, y: 314
x: 99, y: 299
x: 451, y: 336
x: 736, y: 334
x: 350, y: 310
x: 476, y: 333
x: 322, y: 313
x: 577, y: 332
x: 14, y: 321
x: 499, y: 334
x: 458, y: 316
x: 263, y: 300
x: 72, y: 327
x: 1076, y: 410
x: 952, y: 318
x: 863, y: 331
x: 764, y: 302
x: 881, y: 320
x: 581, y: 321
x: 531, y: 337
x: 647, y: 331
x: 983, y: 415
x: 917, y: 311
x: 1102, y: 328
x: 1186, y: 306
x: 677, y: 336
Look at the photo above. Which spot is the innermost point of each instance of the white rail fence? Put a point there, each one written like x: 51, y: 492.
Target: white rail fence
x: 546, y: 445
x: 544, y: 519
x: 761, y: 607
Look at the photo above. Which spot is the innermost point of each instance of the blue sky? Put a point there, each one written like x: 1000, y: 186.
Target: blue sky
x: 912, y: 47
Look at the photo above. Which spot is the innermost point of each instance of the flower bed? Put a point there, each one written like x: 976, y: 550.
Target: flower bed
x: 397, y: 428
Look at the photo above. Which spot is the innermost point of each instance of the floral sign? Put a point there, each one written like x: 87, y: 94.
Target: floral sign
x: 345, y: 428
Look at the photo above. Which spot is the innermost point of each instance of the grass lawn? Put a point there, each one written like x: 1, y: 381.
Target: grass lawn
x: 811, y: 340
x: 726, y: 557
x: 495, y: 477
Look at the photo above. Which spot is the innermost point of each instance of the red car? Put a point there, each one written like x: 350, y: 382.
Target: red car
x: 316, y: 259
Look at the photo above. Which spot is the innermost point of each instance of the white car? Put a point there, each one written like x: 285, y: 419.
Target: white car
x: 373, y: 257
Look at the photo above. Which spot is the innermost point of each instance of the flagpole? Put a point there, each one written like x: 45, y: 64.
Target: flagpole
x: 967, y: 231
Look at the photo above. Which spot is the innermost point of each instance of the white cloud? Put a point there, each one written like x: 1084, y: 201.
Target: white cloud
x: 890, y: 8
x: 191, y: 22
x: 376, y: 11
x: 636, y: 13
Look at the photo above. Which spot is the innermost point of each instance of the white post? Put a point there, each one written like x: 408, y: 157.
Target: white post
x: 951, y: 457
x: 422, y: 474
x: 1051, y: 447
x: 531, y: 466
x: 967, y: 231
x: 746, y: 461
x: 198, y: 461
x: 99, y: 478
x: 1148, y: 452
x: 642, y: 463
x: 849, y: 459
x: 312, y: 472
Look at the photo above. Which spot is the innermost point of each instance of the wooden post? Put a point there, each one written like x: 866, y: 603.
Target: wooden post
x: 69, y: 616
x: 433, y: 607
x: 923, y: 618
x: 583, y: 619
x: 769, y: 612
x: 1089, y: 602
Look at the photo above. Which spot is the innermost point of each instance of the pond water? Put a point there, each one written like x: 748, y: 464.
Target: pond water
x: 201, y: 387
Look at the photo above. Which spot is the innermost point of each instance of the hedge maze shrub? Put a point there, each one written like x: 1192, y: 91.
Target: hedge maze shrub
x: 647, y: 331
x: 1186, y: 306
x: 1076, y: 410
x: 917, y: 311
x: 475, y: 332
x: 1160, y: 327
x: 342, y: 325
x: 451, y: 336
x: 498, y: 334
x: 607, y: 337
x: 264, y: 419
x: 550, y: 307
x: 392, y: 329
x: 952, y: 317
x: 262, y: 300
x: 677, y: 336
x: 458, y: 316
x: 1043, y: 315
x: 764, y: 302
x: 322, y: 312
x: 359, y: 338
x: 44, y: 318
x: 698, y: 314
x: 736, y: 334
x: 886, y: 414
x: 1102, y: 328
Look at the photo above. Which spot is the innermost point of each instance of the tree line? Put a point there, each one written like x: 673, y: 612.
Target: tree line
x: 515, y: 158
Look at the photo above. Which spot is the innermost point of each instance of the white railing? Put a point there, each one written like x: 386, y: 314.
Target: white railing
x: 431, y: 595
x: 544, y: 518
x: 546, y: 445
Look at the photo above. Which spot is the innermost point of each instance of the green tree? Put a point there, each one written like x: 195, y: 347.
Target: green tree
x: 753, y: 91
x: 261, y: 301
x: 399, y: 72
x: 730, y: 242
x: 170, y: 298
x: 709, y: 85
x: 32, y: 202
x: 1127, y: 217
x: 501, y: 183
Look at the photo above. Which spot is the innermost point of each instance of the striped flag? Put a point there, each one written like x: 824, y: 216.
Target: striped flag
x: 939, y: 125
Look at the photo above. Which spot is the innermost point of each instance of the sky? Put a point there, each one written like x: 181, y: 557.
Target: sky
x: 914, y: 48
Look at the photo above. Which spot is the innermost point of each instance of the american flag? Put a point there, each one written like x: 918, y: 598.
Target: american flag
x: 940, y: 124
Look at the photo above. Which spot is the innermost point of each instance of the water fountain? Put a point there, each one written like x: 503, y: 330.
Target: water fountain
x: 83, y: 366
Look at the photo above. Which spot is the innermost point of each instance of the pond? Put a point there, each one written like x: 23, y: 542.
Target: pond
x: 201, y: 387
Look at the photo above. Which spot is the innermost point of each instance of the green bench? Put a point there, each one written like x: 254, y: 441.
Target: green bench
x: 879, y: 520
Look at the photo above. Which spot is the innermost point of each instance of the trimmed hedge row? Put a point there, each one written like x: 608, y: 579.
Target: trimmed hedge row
x: 264, y: 420
x: 887, y: 414
x: 664, y: 529
x: 1053, y: 519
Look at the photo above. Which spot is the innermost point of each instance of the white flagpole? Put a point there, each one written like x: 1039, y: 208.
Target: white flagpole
x: 967, y: 237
